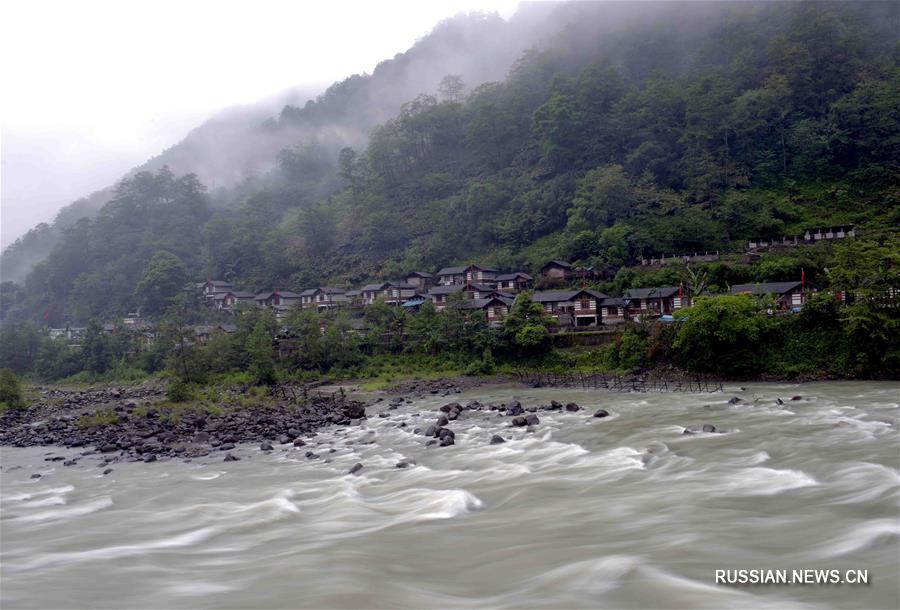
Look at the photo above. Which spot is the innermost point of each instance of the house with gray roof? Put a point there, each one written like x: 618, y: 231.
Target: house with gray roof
x: 788, y: 295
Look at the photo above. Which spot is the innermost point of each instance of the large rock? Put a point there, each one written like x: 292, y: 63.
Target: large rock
x: 572, y: 407
x: 497, y: 439
x: 532, y: 420
x: 355, y: 468
x: 515, y: 408
x: 519, y: 421
x: 601, y: 413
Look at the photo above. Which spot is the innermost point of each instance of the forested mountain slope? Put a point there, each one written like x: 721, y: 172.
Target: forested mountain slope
x: 639, y: 130
x: 242, y: 144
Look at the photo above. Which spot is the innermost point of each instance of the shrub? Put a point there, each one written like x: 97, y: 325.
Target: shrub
x: 10, y: 389
x: 179, y: 391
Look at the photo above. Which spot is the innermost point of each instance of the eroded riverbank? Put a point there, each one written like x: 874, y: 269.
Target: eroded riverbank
x: 621, y: 511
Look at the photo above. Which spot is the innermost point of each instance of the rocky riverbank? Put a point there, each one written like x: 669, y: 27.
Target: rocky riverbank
x: 136, y: 424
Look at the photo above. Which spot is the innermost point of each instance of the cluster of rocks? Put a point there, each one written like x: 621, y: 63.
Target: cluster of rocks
x: 139, y: 430
x: 439, y: 387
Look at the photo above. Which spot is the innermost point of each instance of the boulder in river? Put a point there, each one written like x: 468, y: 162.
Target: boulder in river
x: 442, y: 421
x: 299, y: 442
x: 796, y: 398
x: 572, y: 407
x: 519, y: 420
x: 355, y: 468
x: 265, y: 446
x: 601, y: 413
x: 734, y: 400
x: 515, y: 408
x: 497, y: 439
x: 708, y: 428
x: 532, y: 420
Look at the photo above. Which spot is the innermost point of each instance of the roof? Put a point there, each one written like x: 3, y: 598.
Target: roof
x: 420, y: 274
x: 402, y: 285
x: 373, y: 287
x: 241, y: 294
x: 216, y: 283
x: 481, y: 267
x: 482, y: 287
x: 262, y: 296
x: 452, y: 271
x: 323, y: 289
x: 612, y: 302
x: 553, y: 296
x: 353, y: 293
x: 414, y: 302
x: 657, y: 292
x: 513, y: 276
x: 766, y: 288
x: 562, y: 264
x: 482, y: 303
x: 287, y: 294
x: 449, y: 289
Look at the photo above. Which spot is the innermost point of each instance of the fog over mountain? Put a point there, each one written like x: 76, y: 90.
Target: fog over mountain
x: 243, y: 142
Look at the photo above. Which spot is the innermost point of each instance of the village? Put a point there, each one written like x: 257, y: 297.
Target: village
x: 561, y: 290
x: 559, y: 287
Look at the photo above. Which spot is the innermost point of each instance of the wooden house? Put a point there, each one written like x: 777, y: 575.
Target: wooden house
x: 392, y: 293
x: 422, y: 280
x: 571, y: 307
x: 788, y: 295
x: 483, y: 291
x: 277, y: 299
x: 440, y: 294
x: 557, y: 270
x: 495, y: 308
x: 322, y: 298
x: 451, y: 275
x: 227, y: 300
x: 514, y: 282
x: 211, y: 288
x: 613, y: 311
x: 481, y: 274
x: 657, y: 301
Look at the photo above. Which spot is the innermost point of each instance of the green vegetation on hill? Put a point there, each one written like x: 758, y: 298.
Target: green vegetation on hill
x: 690, y: 127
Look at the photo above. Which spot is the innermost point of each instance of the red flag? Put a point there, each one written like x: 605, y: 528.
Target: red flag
x: 802, y: 279
x: 46, y: 315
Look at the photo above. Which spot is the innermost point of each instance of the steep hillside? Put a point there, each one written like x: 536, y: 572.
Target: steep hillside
x: 638, y: 130
x: 243, y: 143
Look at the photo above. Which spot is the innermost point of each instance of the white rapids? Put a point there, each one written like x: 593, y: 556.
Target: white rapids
x: 625, y: 511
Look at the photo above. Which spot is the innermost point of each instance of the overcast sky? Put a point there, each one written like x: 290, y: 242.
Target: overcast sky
x: 91, y: 88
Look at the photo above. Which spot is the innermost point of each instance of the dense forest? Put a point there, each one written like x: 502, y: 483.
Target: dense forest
x: 679, y: 129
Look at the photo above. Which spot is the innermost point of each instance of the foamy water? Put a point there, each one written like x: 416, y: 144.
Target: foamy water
x: 620, y: 512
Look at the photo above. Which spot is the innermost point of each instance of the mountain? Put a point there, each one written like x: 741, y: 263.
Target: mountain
x: 243, y: 143
x: 625, y: 130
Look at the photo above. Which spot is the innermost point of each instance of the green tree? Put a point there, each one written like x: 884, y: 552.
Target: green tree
x: 261, y: 351
x: 724, y: 335
x: 602, y: 196
x: 10, y: 389
x: 164, y: 278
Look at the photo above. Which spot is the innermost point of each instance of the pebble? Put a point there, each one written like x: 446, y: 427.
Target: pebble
x: 355, y: 468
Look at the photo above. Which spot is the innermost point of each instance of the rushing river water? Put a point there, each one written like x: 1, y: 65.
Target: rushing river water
x: 622, y: 512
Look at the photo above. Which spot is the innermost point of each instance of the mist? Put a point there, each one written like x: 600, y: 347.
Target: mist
x: 91, y: 95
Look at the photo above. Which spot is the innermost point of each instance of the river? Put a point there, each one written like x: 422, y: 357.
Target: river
x: 625, y: 511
